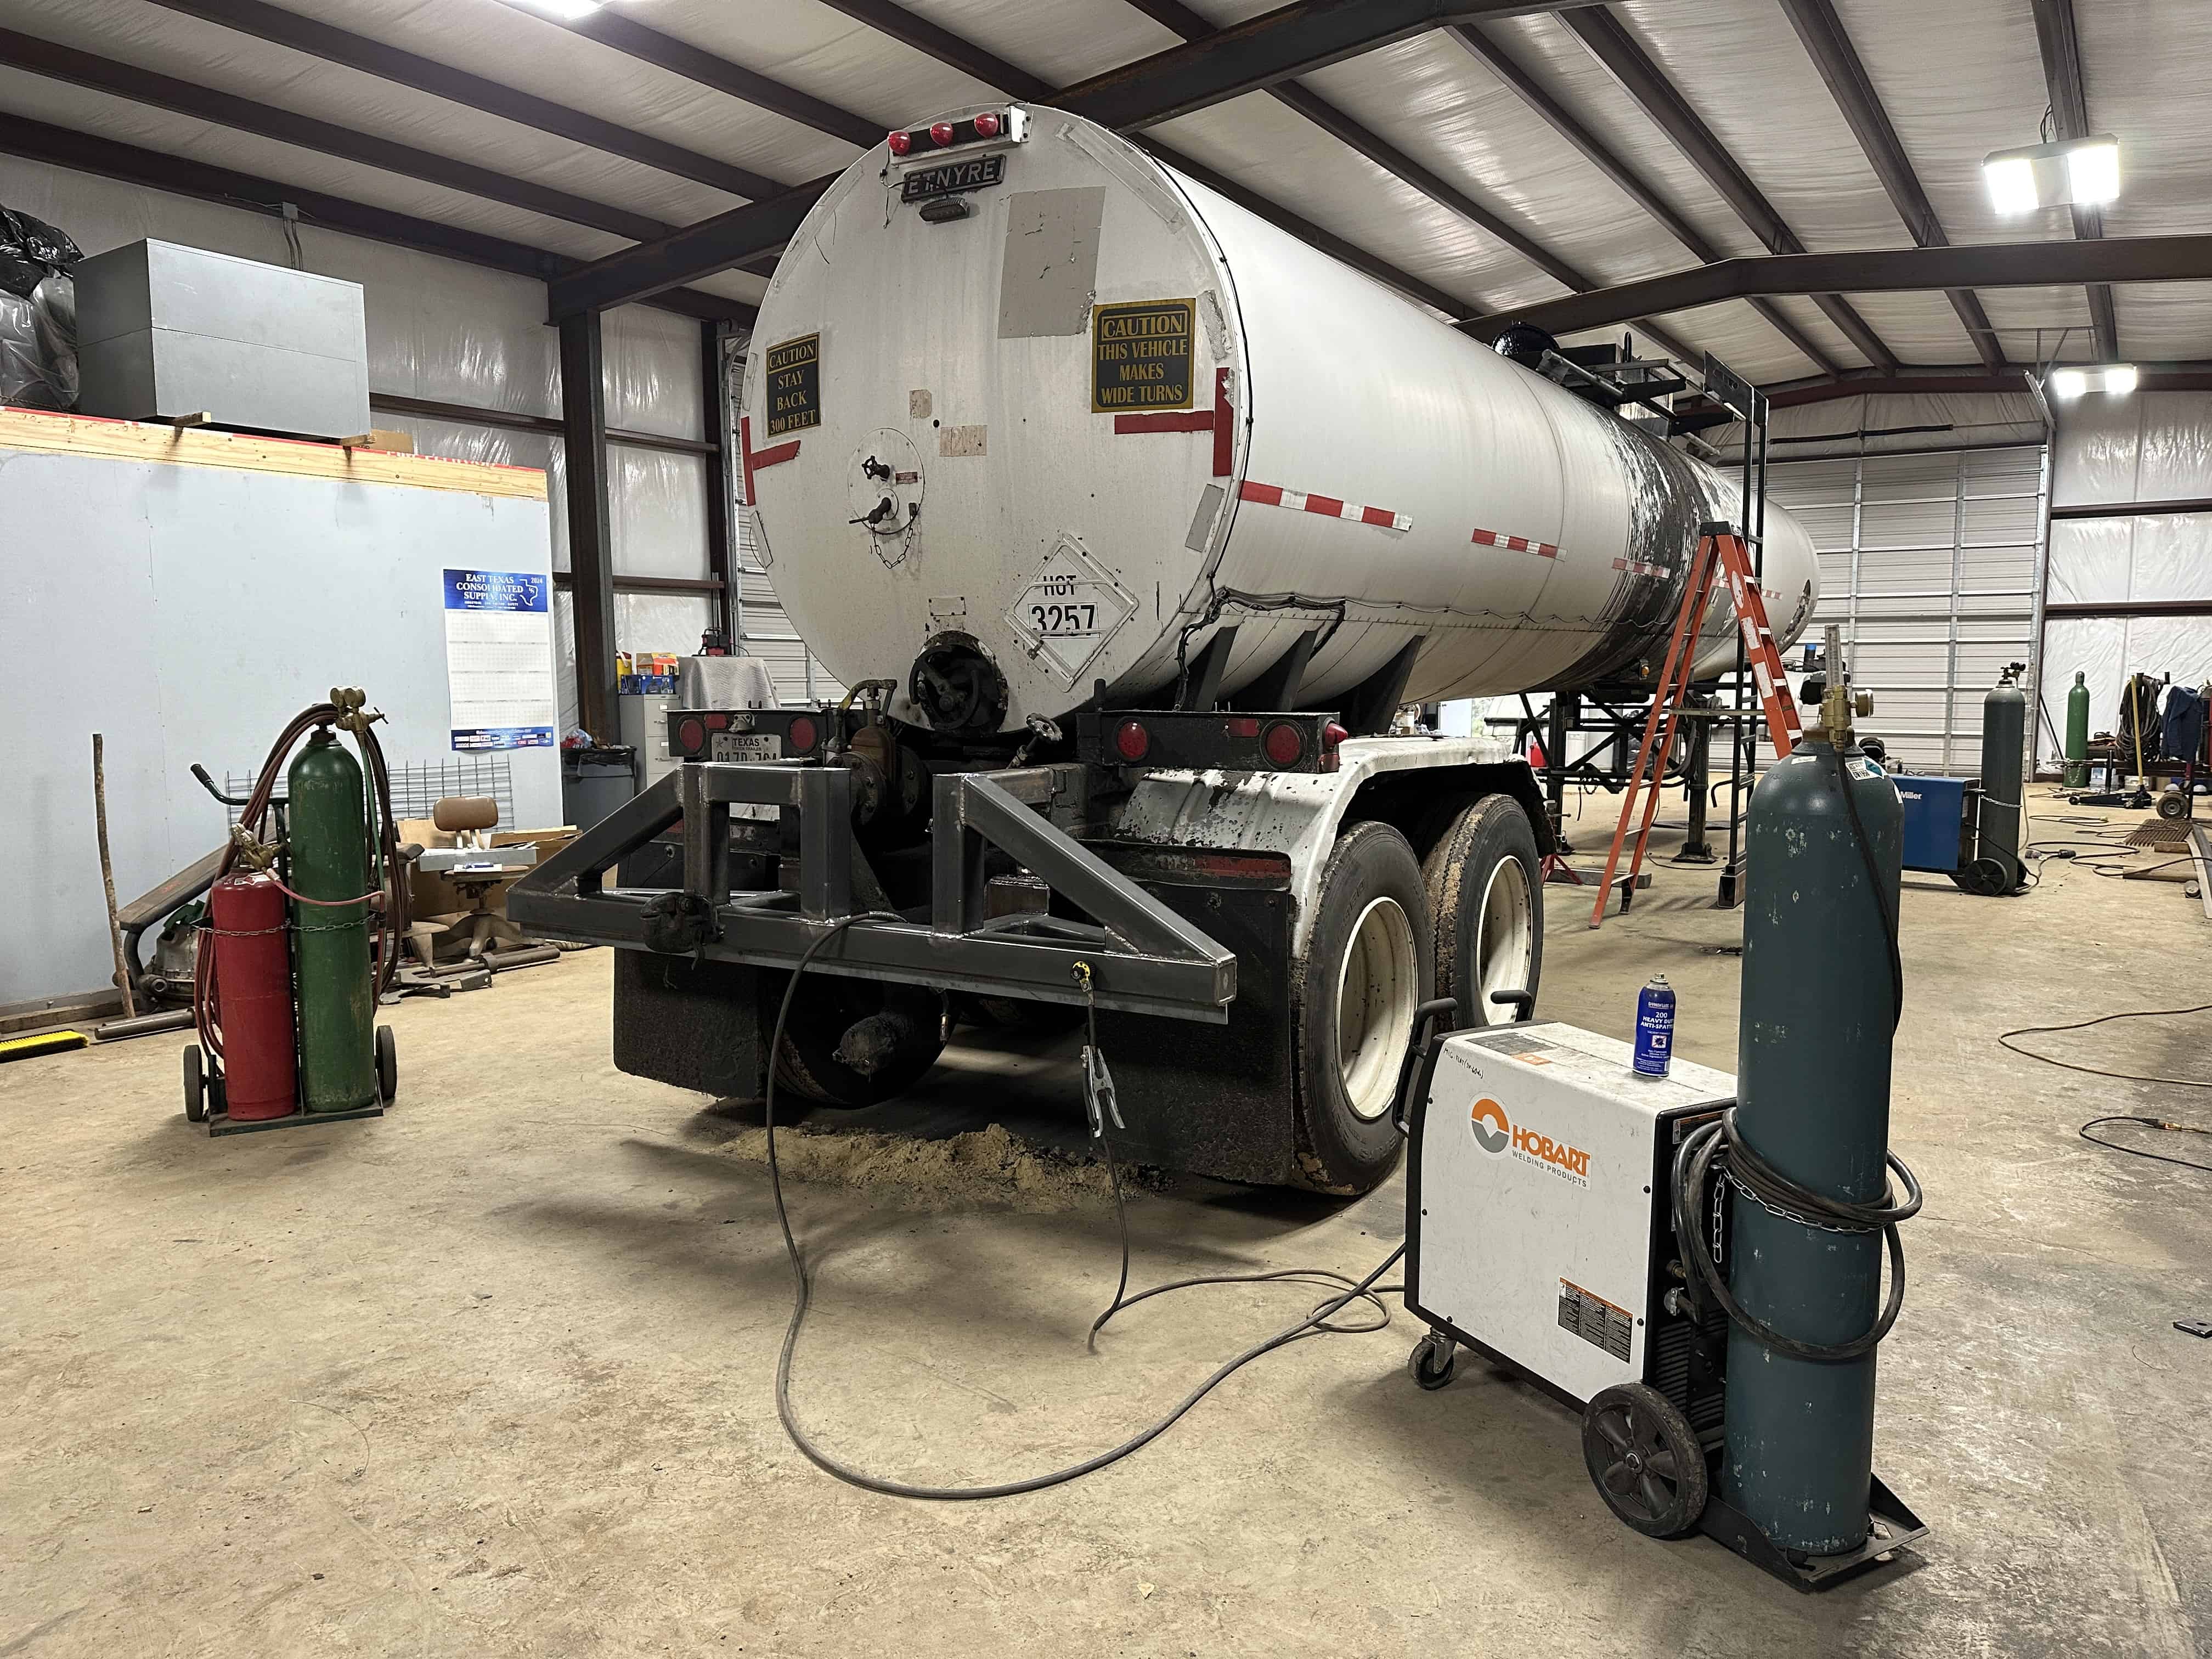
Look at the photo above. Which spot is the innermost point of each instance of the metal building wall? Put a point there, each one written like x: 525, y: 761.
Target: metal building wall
x: 1930, y: 562
x: 448, y: 334
x: 2130, y: 590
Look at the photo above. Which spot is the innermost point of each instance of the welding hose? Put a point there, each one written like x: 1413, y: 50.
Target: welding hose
x: 1702, y: 1150
x: 1315, y: 1323
x: 392, y: 922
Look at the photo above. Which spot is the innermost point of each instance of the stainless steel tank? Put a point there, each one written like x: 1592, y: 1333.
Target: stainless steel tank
x: 1041, y: 403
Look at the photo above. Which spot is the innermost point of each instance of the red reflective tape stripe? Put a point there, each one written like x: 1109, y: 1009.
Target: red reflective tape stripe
x: 1326, y: 504
x: 1172, y: 420
x: 1376, y: 515
x: 1515, y: 544
x: 1266, y: 495
x: 1225, y: 434
x: 775, y: 457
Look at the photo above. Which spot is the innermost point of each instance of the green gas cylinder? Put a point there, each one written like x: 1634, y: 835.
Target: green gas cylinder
x: 330, y: 854
x: 1820, y: 903
x: 2077, y: 733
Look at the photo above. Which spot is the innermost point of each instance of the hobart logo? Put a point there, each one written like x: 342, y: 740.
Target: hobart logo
x: 1497, y: 1134
x: 1492, y: 1131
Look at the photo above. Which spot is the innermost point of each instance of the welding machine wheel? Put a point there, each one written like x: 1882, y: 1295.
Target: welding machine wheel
x: 387, y: 1065
x: 195, y: 1084
x: 1645, y: 1459
x: 1434, y: 1358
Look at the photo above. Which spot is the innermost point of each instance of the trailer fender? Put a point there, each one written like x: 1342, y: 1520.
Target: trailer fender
x: 1299, y: 815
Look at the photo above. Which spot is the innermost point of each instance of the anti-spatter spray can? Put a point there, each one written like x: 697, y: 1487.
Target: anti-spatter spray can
x: 1655, y: 1027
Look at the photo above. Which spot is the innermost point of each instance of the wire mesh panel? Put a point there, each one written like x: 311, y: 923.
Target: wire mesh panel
x: 418, y: 785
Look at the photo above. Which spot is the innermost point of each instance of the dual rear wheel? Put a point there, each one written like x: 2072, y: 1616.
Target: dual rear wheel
x: 1391, y: 931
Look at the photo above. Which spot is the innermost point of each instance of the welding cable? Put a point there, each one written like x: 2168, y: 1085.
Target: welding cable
x: 2005, y: 1041
x: 1314, y: 1324
x: 1695, y: 1160
x: 2138, y: 1151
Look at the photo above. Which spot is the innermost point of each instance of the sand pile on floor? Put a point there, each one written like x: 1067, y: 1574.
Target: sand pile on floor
x: 986, y: 1166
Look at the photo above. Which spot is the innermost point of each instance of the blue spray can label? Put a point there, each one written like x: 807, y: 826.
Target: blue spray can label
x: 1655, y: 1027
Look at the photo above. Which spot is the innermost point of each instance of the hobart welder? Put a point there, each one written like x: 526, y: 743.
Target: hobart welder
x: 1694, y: 1262
x: 285, y: 997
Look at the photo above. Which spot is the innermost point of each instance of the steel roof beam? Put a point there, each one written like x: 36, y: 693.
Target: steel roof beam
x: 1631, y: 68
x: 2061, y: 47
x: 326, y: 137
x: 626, y: 34
x: 106, y: 158
x: 317, y: 39
x: 1883, y: 270
x: 1645, y: 196
x: 1963, y: 378
x: 1824, y: 37
x: 1247, y: 58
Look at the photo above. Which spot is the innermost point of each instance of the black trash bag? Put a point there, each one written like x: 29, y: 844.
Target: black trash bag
x: 31, y: 250
x: 38, y: 347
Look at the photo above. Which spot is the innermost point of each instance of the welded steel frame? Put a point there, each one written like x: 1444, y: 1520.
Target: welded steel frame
x: 1140, y: 955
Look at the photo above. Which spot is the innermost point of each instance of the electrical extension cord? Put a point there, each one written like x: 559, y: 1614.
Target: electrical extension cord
x: 1316, y: 1324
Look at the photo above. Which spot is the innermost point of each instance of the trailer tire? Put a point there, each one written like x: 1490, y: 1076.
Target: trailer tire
x: 1369, y: 964
x: 1486, y: 885
x: 894, y: 1033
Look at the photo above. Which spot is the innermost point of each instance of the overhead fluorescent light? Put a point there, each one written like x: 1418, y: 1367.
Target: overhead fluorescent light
x: 2085, y: 172
x: 569, y: 11
x: 2117, y: 379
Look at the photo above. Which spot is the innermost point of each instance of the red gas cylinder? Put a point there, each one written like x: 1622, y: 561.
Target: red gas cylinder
x: 253, y: 992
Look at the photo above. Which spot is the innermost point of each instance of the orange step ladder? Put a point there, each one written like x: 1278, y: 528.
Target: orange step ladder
x: 1721, y: 551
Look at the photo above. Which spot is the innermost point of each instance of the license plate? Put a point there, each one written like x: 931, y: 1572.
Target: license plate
x: 745, y: 746
x: 977, y: 173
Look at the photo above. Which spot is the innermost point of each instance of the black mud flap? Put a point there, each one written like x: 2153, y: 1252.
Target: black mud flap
x: 1210, y: 1099
x: 694, y: 1024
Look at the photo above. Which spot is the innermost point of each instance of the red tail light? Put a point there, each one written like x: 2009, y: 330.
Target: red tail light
x: 899, y: 142
x: 987, y: 126
x: 1284, y: 744
x: 941, y: 132
x: 690, y: 735
x: 803, y: 736
x: 1131, y: 741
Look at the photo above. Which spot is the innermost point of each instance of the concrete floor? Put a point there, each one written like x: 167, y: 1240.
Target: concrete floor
x: 491, y: 1376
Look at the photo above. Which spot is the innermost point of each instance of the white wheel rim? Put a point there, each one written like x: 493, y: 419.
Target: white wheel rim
x: 1378, y: 989
x: 1504, y: 939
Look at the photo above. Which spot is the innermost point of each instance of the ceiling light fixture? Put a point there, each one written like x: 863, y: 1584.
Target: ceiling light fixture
x: 566, y: 11
x: 2117, y: 379
x: 2085, y: 172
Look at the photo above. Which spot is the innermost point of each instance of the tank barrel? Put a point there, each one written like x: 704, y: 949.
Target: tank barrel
x: 1813, y: 1067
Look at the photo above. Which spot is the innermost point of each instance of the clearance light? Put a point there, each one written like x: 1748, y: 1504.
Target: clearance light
x: 2117, y: 379
x: 941, y: 132
x: 2085, y: 172
x: 987, y: 126
x: 1131, y: 741
x: 899, y: 142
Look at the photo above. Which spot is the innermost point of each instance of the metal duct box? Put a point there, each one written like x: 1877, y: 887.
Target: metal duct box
x: 164, y: 331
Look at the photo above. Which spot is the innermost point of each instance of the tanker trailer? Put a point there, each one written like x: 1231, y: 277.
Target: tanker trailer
x: 1132, y: 522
